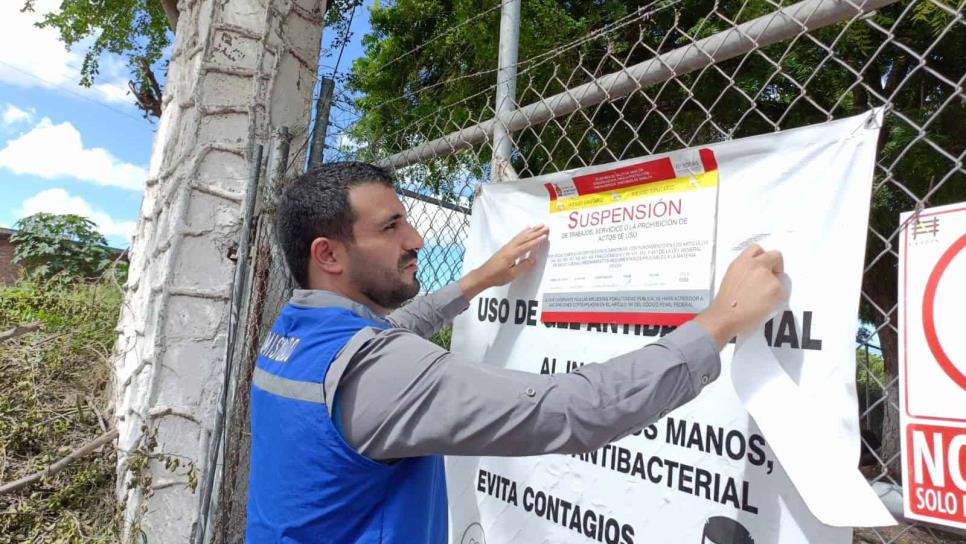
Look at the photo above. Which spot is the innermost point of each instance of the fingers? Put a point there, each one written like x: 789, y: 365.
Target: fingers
x: 526, y: 240
x: 528, y: 234
x: 753, y: 250
x: 773, y: 260
x: 527, y: 246
x: 522, y: 267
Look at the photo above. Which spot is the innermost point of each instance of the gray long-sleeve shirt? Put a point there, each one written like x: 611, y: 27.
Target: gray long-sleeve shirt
x: 399, y: 395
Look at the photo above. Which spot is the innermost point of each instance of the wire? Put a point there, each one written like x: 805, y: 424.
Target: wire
x: 346, y: 109
x: 419, y: 47
x: 527, y: 65
x: 441, y: 34
x: 535, y: 61
x: 541, y: 58
x: 297, y: 156
x: 345, y: 40
x: 335, y: 70
x: 70, y: 91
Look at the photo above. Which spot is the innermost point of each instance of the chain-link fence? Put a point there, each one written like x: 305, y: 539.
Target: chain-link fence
x: 662, y: 75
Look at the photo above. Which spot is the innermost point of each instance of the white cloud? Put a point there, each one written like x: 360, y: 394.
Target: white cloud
x: 117, y: 92
x: 35, y: 57
x: 347, y: 143
x: 56, y: 151
x: 12, y: 115
x: 59, y: 201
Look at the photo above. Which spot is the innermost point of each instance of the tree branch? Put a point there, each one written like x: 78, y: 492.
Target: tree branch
x: 59, y: 465
x: 155, y: 88
x: 171, y: 12
x: 148, y: 97
x: 898, y: 73
x: 19, y: 330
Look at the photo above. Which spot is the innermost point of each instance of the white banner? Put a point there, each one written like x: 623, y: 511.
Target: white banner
x: 703, y: 473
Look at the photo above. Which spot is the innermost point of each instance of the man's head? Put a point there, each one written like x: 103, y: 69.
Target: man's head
x: 343, y: 229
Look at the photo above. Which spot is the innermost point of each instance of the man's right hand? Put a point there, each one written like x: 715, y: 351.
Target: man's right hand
x: 507, y: 264
x: 750, y: 291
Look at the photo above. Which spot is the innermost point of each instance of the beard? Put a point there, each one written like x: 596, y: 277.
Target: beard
x: 384, y: 285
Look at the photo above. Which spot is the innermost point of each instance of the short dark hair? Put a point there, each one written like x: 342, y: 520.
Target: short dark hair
x: 317, y: 204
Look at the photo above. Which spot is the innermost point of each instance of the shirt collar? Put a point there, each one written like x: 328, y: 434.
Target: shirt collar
x: 319, y: 298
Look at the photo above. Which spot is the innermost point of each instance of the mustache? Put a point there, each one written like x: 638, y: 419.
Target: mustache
x: 407, y: 258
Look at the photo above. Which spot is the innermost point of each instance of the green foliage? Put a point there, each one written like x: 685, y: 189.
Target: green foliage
x: 140, y: 460
x: 135, y: 29
x: 870, y: 377
x: 49, y: 245
x: 55, y: 386
x: 397, y: 107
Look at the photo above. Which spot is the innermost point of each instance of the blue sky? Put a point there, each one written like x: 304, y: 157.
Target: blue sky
x: 68, y: 149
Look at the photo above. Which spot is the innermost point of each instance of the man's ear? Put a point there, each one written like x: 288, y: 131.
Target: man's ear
x: 328, y: 255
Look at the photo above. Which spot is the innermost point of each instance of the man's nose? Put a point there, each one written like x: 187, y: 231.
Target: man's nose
x: 414, y: 241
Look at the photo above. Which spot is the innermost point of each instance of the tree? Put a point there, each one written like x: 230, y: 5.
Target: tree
x: 140, y: 31
x: 48, y: 244
x: 420, y: 57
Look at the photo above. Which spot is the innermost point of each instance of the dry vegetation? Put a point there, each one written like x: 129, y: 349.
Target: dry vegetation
x: 906, y: 534
x: 54, y: 390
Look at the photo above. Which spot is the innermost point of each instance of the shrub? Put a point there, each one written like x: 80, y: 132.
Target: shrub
x: 49, y: 245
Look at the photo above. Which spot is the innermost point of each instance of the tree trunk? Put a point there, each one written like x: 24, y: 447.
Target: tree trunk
x: 171, y: 12
x: 889, y: 452
x: 880, y: 284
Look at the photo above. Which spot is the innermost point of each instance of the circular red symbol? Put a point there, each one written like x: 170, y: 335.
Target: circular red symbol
x: 928, y: 322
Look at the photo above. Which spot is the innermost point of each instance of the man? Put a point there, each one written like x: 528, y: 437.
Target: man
x: 352, y: 407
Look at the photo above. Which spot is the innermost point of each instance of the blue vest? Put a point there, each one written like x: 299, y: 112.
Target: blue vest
x: 306, y: 484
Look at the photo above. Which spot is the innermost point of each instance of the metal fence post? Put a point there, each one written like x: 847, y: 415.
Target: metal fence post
x: 321, y: 125
x: 238, y: 290
x: 265, y: 282
x: 506, y: 91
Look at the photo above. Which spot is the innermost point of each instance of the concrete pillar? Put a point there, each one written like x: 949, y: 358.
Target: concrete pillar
x: 239, y: 69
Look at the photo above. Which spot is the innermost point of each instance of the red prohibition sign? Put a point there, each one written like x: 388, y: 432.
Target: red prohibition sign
x: 928, y: 321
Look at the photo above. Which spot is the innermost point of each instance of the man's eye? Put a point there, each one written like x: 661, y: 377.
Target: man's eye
x: 390, y: 226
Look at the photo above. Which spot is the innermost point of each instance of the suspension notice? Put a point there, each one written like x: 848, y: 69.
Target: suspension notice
x: 633, y: 245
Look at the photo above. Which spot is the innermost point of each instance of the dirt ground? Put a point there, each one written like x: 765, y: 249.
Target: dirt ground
x: 906, y: 534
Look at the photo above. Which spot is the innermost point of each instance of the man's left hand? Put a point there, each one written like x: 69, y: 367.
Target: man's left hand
x: 507, y: 264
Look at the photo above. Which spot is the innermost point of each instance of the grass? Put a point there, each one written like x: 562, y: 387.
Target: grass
x: 54, y: 397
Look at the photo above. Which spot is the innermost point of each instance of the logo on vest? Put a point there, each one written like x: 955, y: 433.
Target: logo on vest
x: 279, y: 348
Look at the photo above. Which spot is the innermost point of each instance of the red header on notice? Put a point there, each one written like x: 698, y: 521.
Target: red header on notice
x: 707, y: 160
x: 629, y: 176
x: 635, y: 174
x: 553, y: 194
